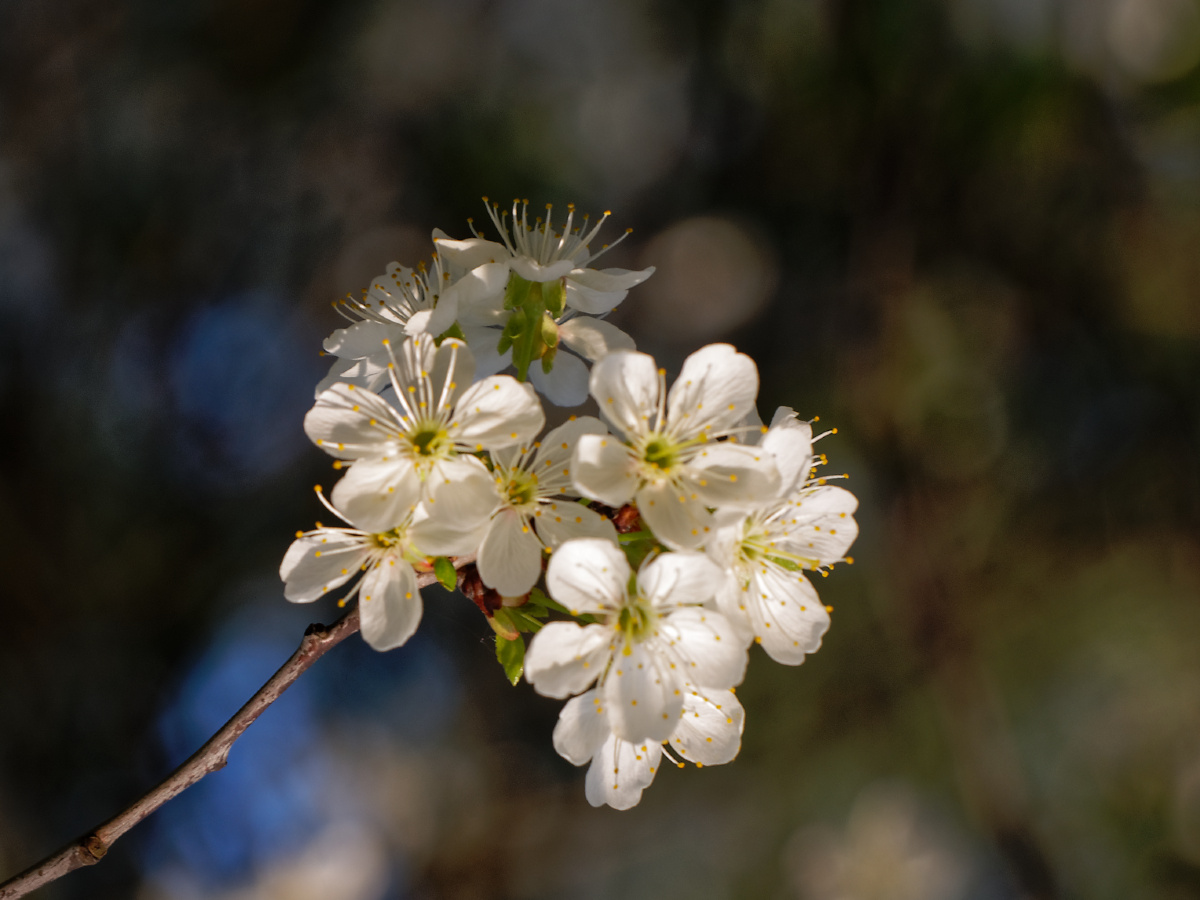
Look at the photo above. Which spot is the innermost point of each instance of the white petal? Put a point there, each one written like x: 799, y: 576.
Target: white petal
x: 705, y: 646
x: 358, y: 372
x: 644, y: 698
x: 593, y: 338
x: 469, y: 253
x: 363, y: 339
x: 603, y: 469
x: 821, y: 526
x: 582, y: 728
x: 678, y: 517
x: 563, y: 521
x: 497, y: 412
x: 710, y: 730
x: 532, y: 270
x: 609, y: 279
x: 716, y: 387
x: 483, y: 342
x: 588, y: 576
x: 377, y: 495
x: 319, y: 561
x: 483, y: 286
x: 389, y: 604
x: 597, y: 291
x: 731, y: 598
x: 510, y: 557
x: 351, y: 422
x: 552, y: 464
x: 565, y: 657
x: 433, y: 321
x: 785, y: 613
x: 620, y: 771
x: 462, y: 498
x: 452, y: 372
x: 790, y: 441
x: 625, y: 385
x: 737, y: 476
x: 678, y: 579
x: 414, y: 358
x: 567, y: 382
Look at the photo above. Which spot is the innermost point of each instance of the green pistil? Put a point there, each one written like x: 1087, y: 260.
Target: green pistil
x: 385, y: 539
x: 636, y: 620
x: 662, y: 453
x: 430, y: 440
x: 522, y: 488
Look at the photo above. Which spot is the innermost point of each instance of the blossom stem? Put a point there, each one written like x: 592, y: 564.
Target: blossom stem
x: 91, y: 847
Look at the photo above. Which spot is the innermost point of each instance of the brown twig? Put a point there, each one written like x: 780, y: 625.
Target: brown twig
x: 91, y: 847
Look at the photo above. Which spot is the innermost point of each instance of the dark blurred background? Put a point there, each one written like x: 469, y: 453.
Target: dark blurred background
x: 965, y: 232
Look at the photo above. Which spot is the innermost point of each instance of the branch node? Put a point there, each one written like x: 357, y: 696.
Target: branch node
x: 316, y: 628
x: 94, y: 848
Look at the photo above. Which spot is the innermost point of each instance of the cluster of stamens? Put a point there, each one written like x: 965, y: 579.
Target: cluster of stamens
x: 539, y: 241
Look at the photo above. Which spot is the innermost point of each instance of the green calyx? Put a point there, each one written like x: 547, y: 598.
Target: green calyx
x: 531, y: 330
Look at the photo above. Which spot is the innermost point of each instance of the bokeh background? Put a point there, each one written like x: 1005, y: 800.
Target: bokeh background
x: 965, y: 232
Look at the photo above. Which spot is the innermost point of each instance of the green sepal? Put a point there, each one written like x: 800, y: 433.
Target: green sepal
x: 511, y: 656
x: 516, y: 291
x: 503, y: 624
x: 445, y: 572
x: 555, y: 295
x: 523, y: 619
x: 638, y: 549
x: 548, y: 359
x: 540, y: 598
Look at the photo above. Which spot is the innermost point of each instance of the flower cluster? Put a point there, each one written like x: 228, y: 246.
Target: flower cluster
x: 644, y: 551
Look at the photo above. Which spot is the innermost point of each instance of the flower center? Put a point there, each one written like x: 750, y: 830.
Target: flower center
x: 521, y: 489
x: 385, y: 539
x: 637, y: 619
x: 661, y: 452
x: 431, y: 439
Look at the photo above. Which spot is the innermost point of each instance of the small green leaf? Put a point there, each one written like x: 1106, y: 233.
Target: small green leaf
x: 447, y: 575
x: 511, y: 655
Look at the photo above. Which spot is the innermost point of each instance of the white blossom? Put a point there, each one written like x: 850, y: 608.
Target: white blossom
x: 671, y: 461
x: 708, y: 733
x: 809, y: 525
x: 529, y: 519
x: 654, y: 635
x: 389, y: 599
x: 419, y: 449
x: 399, y: 303
x: 538, y: 253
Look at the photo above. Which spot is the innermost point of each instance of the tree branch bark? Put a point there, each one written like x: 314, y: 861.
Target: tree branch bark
x: 90, y: 848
